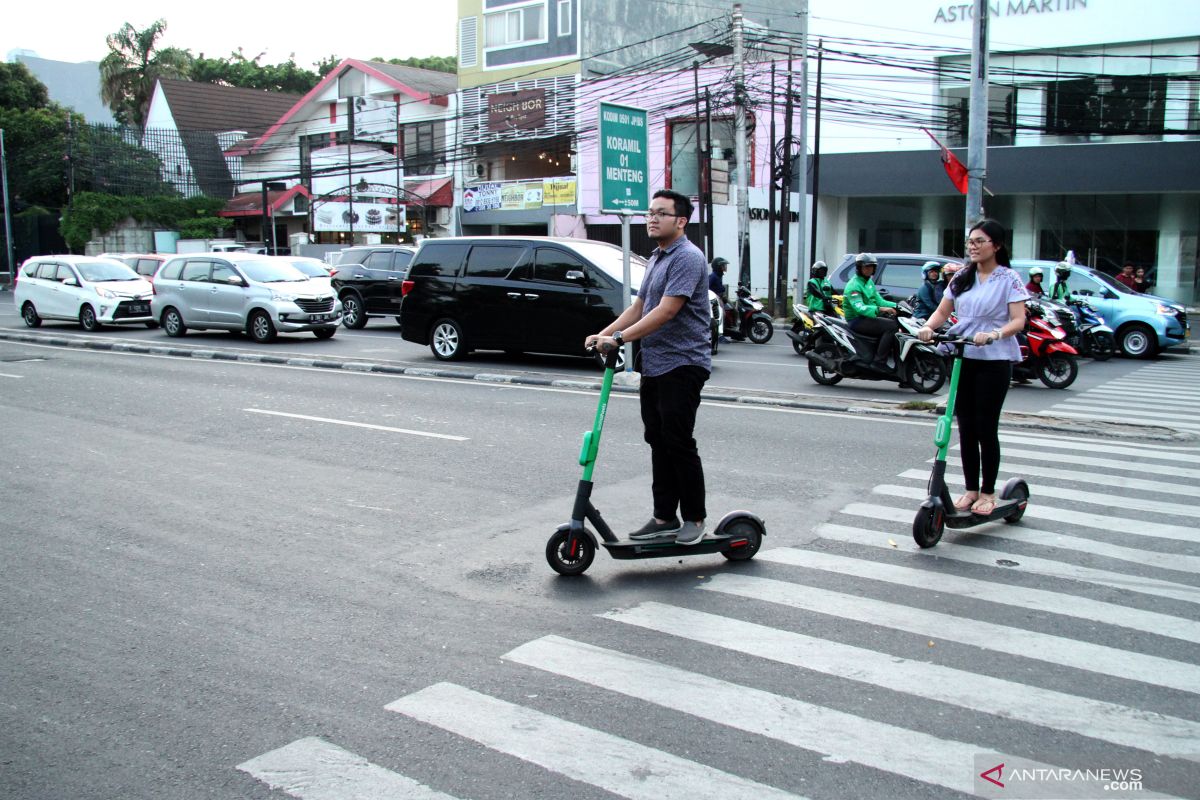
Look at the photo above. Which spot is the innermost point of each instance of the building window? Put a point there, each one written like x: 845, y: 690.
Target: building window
x: 1002, y: 116
x: 1107, y: 105
x: 468, y: 41
x: 564, y: 17
x: 683, y: 168
x: 422, y: 147
x: 517, y: 26
x: 312, y: 142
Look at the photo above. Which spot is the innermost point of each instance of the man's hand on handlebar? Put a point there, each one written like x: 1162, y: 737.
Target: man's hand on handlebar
x: 886, y: 311
x: 597, y: 342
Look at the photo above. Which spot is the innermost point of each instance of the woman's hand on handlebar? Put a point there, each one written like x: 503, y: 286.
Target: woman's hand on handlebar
x: 985, y: 338
x: 925, y: 333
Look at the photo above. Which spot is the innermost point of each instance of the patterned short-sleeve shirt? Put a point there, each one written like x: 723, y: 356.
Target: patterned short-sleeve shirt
x: 983, y: 308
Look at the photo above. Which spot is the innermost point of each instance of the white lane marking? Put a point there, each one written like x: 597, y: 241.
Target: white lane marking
x: 6, y: 375
x: 357, y: 424
x: 934, y: 625
x: 617, y: 765
x: 1109, y: 463
x: 1104, y: 522
x: 1119, y: 501
x: 1059, y: 411
x: 1061, y: 603
x: 1096, y: 478
x: 1159, y: 450
x: 1138, y: 399
x: 312, y: 769
x: 1023, y: 563
x: 827, y: 732
x: 1141, y: 413
x: 1122, y: 725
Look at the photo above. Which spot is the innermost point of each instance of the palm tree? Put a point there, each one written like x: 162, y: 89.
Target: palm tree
x: 132, y: 67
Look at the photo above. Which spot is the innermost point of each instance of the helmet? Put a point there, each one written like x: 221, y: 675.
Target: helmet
x: 1034, y: 271
x: 819, y: 268
x: 1062, y: 270
x: 720, y: 263
x: 931, y: 266
x: 865, y: 259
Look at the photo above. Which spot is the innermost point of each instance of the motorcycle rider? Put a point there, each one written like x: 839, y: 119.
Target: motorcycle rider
x: 818, y: 292
x: 930, y: 293
x: 867, y: 313
x: 1034, y: 287
x: 1060, y: 292
x: 716, y: 285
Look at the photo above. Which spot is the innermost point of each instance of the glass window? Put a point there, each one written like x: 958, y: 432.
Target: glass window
x: 147, y: 266
x: 222, y: 272
x: 46, y: 270
x: 401, y: 259
x: 520, y: 25
x: 552, y: 264
x: 493, y: 261
x: 106, y: 271
x: 1111, y: 105
x: 63, y: 273
x: 438, y: 259
x: 196, y: 271
x: 380, y: 259
x: 902, y: 275
x: 171, y: 270
x: 685, y: 137
x: 30, y: 270
x: 271, y: 272
x: 564, y: 17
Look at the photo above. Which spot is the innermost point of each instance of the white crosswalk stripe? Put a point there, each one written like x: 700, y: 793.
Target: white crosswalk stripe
x: 1155, y: 394
x: 989, y: 612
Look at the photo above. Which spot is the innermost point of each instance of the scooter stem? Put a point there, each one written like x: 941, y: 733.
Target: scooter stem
x: 941, y: 436
x: 591, y: 439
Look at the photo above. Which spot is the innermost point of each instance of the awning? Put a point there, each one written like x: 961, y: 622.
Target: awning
x: 435, y: 192
x: 249, y: 204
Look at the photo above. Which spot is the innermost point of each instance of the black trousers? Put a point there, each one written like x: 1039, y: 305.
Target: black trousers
x: 982, y: 386
x: 669, y: 404
x: 883, y: 327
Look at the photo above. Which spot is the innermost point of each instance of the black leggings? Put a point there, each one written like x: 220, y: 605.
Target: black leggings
x: 883, y: 327
x: 982, y: 386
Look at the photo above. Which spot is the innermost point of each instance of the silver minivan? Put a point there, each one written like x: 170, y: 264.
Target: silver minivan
x: 261, y: 295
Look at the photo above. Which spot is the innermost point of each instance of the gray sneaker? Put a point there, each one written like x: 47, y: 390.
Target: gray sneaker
x: 690, y: 533
x: 655, y: 530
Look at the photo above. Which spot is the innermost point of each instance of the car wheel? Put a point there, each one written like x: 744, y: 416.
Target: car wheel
x: 30, y: 315
x: 172, y: 323
x: 260, y: 327
x: 354, y: 316
x: 87, y: 318
x: 1138, y: 341
x: 446, y: 340
x: 324, y: 333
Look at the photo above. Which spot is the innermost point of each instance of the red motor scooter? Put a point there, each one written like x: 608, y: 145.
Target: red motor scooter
x: 1045, y: 354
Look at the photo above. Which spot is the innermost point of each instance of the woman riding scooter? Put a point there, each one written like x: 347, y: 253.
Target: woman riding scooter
x: 867, y: 313
x: 930, y: 293
x: 818, y: 292
x: 1034, y: 287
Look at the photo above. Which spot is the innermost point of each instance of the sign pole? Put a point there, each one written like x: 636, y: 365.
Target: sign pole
x: 626, y: 292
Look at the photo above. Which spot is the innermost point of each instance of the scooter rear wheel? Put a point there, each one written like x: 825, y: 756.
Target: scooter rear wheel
x: 1016, y: 489
x: 928, y: 526
x: 564, y: 562
x: 750, y: 531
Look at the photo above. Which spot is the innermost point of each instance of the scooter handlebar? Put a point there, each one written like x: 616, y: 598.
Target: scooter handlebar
x: 610, y: 355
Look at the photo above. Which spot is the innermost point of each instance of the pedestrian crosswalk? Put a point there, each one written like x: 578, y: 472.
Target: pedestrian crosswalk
x: 1071, y: 637
x: 1162, y: 393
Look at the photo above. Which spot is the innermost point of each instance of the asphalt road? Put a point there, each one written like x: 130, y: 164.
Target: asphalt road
x: 223, y: 577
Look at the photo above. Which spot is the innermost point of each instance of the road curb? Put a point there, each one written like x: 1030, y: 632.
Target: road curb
x: 1009, y: 419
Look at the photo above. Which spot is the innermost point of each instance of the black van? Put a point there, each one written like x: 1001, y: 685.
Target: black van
x: 512, y: 293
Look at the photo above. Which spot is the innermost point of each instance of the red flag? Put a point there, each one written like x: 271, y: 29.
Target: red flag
x: 955, y: 170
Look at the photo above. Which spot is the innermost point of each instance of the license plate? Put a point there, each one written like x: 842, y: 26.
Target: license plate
x: 319, y: 317
x: 139, y: 308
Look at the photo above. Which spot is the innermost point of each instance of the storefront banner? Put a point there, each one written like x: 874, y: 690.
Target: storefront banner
x: 484, y: 197
x: 336, y: 216
x: 558, y: 191
x: 520, y: 195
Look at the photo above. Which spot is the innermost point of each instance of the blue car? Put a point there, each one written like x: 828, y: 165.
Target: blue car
x: 1143, y: 324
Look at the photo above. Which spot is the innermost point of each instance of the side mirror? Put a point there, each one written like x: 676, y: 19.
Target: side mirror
x: 576, y: 275
x: 70, y: 282
x: 235, y: 280
x: 1109, y: 294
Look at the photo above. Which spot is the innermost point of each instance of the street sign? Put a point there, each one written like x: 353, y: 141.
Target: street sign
x: 624, y: 164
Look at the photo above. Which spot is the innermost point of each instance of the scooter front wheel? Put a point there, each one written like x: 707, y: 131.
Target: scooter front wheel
x: 561, y: 558
x: 761, y: 330
x: 928, y: 526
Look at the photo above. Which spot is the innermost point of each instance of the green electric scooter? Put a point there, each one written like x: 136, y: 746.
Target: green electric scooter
x: 938, y: 512
x: 572, y: 547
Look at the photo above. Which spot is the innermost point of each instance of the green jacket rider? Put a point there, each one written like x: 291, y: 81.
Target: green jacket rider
x: 818, y: 292
x: 1060, y: 291
x: 860, y: 298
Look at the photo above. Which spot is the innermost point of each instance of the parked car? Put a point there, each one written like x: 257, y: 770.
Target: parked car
x: 144, y: 264
x: 897, y: 277
x: 262, y: 295
x: 367, y: 281
x: 1142, y: 323
x: 512, y: 293
x: 84, y: 289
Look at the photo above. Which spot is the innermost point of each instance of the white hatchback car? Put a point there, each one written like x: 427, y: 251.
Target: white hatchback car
x: 90, y: 291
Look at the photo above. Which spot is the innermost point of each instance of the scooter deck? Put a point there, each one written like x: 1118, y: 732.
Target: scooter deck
x: 665, y: 546
x: 969, y: 519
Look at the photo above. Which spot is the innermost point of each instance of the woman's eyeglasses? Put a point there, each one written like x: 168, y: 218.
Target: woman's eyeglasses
x: 978, y: 242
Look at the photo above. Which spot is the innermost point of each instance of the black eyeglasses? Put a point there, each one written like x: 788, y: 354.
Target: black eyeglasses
x: 660, y: 214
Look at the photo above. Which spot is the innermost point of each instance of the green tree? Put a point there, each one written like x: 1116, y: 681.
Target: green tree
x: 20, y: 88
x: 133, y: 66
x: 249, y: 73
x: 435, y: 63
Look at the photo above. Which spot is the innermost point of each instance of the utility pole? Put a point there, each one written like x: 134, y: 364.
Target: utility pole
x: 785, y: 204
x: 802, y: 208
x: 699, y: 164
x: 977, y: 119
x: 8, y: 248
x: 708, y: 196
x: 772, y: 262
x: 812, y: 250
x: 743, y: 167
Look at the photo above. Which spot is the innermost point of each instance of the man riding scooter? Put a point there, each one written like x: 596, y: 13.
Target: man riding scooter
x: 716, y: 285
x: 818, y: 292
x: 930, y: 293
x: 867, y: 313
x: 1060, y: 292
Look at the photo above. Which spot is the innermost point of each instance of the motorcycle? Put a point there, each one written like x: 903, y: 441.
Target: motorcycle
x: 716, y: 325
x: 836, y: 352
x: 746, y: 319
x: 803, y: 325
x: 1045, y: 352
x: 1086, y: 330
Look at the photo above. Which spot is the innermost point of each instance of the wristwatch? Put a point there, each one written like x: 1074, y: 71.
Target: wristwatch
x: 618, y: 338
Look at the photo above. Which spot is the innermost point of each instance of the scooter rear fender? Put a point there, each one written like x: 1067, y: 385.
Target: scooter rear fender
x: 734, y: 516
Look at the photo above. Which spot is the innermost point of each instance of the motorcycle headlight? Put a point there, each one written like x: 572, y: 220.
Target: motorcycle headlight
x: 105, y: 293
x: 1058, y: 334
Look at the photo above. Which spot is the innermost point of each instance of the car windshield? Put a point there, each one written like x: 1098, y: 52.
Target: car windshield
x: 609, y: 259
x: 312, y: 269
x: 1110, y: 282
x: 271, y: 272
x: 97, y: 271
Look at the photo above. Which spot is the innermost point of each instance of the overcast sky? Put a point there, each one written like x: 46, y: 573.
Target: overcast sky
x: 70, y: 30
